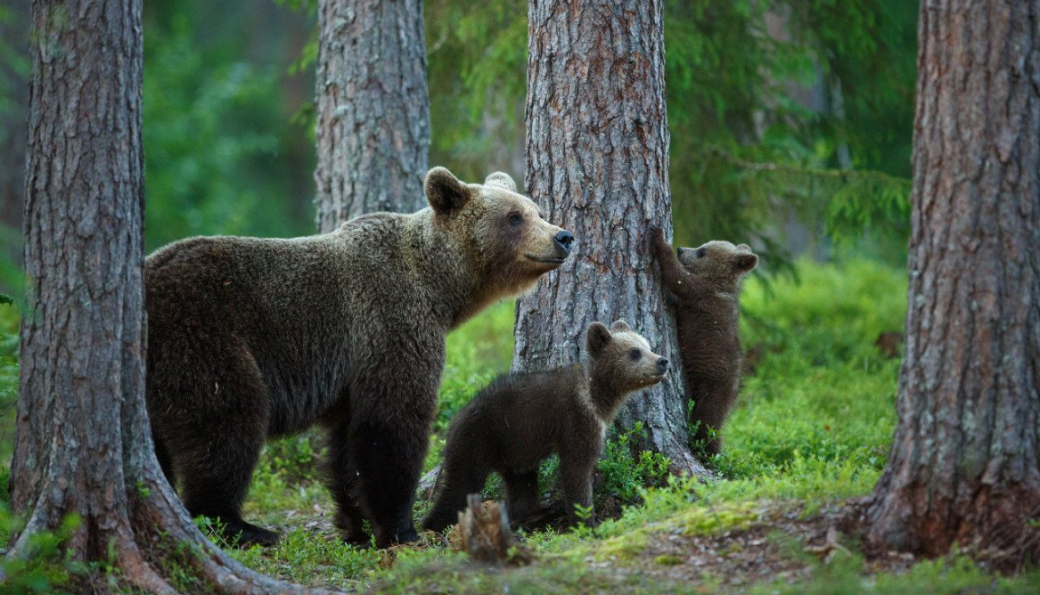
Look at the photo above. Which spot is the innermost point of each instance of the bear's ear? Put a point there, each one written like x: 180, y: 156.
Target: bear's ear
x: 744, y: 262
x: 444, y: 192
x: 620, y: 326
x: 501, y: 180
x: 598, y: 337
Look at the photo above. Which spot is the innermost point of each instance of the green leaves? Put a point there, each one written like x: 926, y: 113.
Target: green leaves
x: 5, y: 299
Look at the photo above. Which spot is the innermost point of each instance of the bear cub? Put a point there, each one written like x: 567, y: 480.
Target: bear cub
x: 521, y: 419
x: 705, y: 282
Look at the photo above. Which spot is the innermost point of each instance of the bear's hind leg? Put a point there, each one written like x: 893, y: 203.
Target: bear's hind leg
x: 216, y: 439
x: 216, y: 483
x: 343, y: 484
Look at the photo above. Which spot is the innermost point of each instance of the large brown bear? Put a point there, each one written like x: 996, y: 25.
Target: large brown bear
x: 256, y: 338
x: 706, y: 284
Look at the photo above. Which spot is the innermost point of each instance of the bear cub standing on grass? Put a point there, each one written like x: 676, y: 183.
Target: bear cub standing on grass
x: 252, y: 338
x: 521, y: 419
x: 706, y: 282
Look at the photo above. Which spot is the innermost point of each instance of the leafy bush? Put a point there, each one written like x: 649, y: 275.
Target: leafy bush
x: 822, y: 389
x: 624, y: 471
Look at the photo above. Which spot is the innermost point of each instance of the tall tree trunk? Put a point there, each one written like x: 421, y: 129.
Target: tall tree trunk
x: 15, y: 39
x: 597, y: 162
x: 373, y: 127
x: 964, y: 463
x: 83, y: 444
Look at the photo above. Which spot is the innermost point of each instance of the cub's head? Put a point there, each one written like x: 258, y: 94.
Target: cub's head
x: 623, y: 358
x: 719, y: 262
x: 501, y: 232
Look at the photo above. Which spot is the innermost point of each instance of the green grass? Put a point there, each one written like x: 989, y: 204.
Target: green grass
x: 812, y: 426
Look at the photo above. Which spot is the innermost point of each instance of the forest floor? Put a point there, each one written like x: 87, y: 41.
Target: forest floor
x: 808, y: 438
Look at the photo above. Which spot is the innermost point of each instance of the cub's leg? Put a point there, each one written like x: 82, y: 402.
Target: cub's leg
x: 464, y: 473
x: 577, y: 466
x: 522, y: 498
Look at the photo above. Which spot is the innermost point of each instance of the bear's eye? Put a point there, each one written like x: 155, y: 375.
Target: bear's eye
x: 702, y: 252
x: 635, y: 354
x: 515, y: 218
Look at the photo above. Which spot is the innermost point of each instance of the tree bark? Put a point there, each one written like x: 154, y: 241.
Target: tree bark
x: 83, y: 444
x: 12, y: 128
x: 964, y: 462
x: 373, y: 128
x: 597, y: 162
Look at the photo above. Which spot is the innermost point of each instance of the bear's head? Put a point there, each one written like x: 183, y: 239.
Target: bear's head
x: 622, y: 359
x: 719, y: 262
x: 500, y: 232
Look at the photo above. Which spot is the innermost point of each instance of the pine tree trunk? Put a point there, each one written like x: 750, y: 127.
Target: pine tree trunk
x: 14, y: 35
x: 597, y: 163
x: 83, y: 445
x: 373, y: 127
x: 964, y: 463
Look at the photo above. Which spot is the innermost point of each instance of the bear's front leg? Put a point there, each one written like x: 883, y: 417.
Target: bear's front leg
x: 392, y: 411
x: 577, y: 466
x: 672, y: 273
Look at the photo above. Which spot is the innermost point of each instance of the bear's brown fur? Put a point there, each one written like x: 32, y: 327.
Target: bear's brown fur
x: 521, y: 419
x: 255, y: 338
x: 706, y: 283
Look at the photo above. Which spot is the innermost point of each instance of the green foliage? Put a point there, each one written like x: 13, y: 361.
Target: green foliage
x: 476, y: 69
x: 477, y: 352
x: 206, y: 127
x: 767, y: 102
x: 822, y: 390
x: 14, y: 66
x: 45, y: 567
x: 625, y: 471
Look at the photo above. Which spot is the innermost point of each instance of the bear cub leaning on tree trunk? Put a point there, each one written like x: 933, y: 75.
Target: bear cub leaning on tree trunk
x: 521, y: 419
x: 706, y: 284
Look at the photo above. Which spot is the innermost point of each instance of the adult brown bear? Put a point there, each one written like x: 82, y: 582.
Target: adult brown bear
x: 256, y: 338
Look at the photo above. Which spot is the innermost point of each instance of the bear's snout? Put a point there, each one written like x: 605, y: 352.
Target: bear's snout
x: 662, y: 365
x: 563, y: 240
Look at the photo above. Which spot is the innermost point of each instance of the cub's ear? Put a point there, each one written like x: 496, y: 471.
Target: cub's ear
x: 501, y: 180
x: 445, y: 193
x: 620, y: 326
x: 598, y: 337
x: 744, y: 262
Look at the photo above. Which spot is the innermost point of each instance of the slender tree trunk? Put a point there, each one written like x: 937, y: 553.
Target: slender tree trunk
x: 597, y: 163
x: 373, y: 127
x: 964, y: 463
x: 12, y: 126
x: 83, y: 444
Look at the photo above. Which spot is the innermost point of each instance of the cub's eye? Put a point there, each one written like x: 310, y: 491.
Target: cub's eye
x: 702, y: 252
x: 515, y: 218
x: 635, y: 354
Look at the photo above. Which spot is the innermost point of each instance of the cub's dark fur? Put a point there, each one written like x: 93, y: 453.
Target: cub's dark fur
x: 254, y: 338
x: 706, y: 282
x: 521, y: 419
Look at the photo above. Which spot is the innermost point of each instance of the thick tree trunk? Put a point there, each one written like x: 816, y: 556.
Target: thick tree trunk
x: 373, y: 128
x: 964, y: 463
x: 15, y: 34
x: 597, y: 163
x: 83, y: 445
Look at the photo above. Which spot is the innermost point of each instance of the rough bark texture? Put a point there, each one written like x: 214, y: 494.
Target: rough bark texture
x: 964, y: 462
x: 83, y: 444
x: 597, y: 163
x: 15, y: 35
x: 373, y: 128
